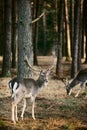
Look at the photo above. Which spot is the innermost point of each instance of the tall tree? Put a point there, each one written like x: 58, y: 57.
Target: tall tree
x: 6, y: 68
x: 85, y: 6
x: 72, y: 24
x: 44, y: 29
x: 83, y: 31
x: 24, y: 37
x: 1, y: 26
x: 67, y: 31
x: 76, y: 40
x: 55, y: 20
x: 80, y: 35
x: 60, y: 39
x: 35, y: 31
x: 14, y: 33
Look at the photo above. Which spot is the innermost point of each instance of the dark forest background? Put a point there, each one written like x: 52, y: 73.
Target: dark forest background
x: 42, y: 27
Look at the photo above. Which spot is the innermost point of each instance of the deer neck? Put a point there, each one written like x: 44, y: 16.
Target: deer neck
x: 40, y: 83
x: 73, y: 83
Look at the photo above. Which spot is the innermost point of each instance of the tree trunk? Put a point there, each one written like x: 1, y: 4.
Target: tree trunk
x: 83, y: 32
x: 6, y: 68
x: 35, y: 32
x: 1, y: 26
x: 72, y: 24
x: 14, y: 33
x: 44, y: 29
x: 80, y: 36
x: 67, y: 31
x: 76, y: 40
x: 85, y: 3
x: 55, y: 20
x: 60, y: 39
x: 24, y: 38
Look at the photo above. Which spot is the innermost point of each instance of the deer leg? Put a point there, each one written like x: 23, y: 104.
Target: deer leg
x: 13, y: 112
x: 33, y: 106
x: 24, y: 106
x: 70, y: 92
x: 81, y: 86
x: 16, y: 117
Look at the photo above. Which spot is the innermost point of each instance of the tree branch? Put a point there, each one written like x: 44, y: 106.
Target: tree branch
x: 35, y: 20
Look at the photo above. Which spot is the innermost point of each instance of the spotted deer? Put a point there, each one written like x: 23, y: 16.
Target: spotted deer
x: 81, y: 78
x: 27, y: 88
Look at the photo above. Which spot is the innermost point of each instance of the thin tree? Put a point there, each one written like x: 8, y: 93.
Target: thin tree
x: 14, y: 33
x: 85, y: 6
x: 60, y: 39
x: 24, y: 38
x: 80, y: 35
x: 1, y: 26
x: 72, y: 24
x: 35, y: 31
x: 55, y: 5
x: 6, y: 67
x: 74, y: 68
x: 44, y: 29
x: 83, y: 32
x: 67, y: 31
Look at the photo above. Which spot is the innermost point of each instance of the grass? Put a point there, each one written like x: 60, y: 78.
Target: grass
x: 69, y: 127
x: 2, y: 123
x: 69, y: 104
x: 54, y: 110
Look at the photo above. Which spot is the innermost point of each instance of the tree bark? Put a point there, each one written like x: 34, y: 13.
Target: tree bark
x: 1, y: 26
x: 35, y: 32
x: 6, y: 68
x: 80, y: 36
x: 83, y: 32
x: 14, y: 33
x: 24, y: 38
x: 72, y: 24
x: 60, y: 39
x: 74, y: 68
x: 67, y: 31
x: 44, y: 29
x: 85, y: 3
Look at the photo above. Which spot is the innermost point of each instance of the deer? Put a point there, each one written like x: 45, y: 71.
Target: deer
x: 27, y: 88
x: 80, y: 78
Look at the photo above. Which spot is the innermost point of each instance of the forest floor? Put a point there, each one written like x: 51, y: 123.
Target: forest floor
x: 54, y: 110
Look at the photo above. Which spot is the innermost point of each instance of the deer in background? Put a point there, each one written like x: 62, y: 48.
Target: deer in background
x: 27, y: 88
x: 81, y: 78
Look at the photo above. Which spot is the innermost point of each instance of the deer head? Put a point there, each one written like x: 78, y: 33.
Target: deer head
x: 66, y: 83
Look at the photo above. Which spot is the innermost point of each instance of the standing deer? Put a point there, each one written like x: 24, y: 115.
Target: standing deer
x: 27, y: 88
x: 81, y: 78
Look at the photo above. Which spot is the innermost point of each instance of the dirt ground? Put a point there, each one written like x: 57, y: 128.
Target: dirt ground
x: 54, y: 110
